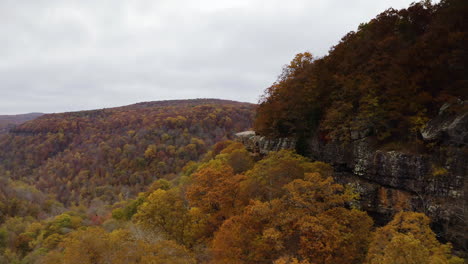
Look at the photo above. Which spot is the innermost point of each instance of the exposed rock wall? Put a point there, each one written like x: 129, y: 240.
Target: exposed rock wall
x: 263, y: 145
x: 433, y: 182
x: 390, y: 181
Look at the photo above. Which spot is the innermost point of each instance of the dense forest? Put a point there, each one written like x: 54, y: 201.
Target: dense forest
x: 115, y: 153
x: 164, y: 182
x: 387, y: 79
x: 229, y: 208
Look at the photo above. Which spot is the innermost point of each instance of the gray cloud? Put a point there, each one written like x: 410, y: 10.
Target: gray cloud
x: 60, y: 56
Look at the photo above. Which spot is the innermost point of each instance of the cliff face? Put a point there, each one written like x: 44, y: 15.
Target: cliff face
x: 433, y: 181
x: 263, y: 145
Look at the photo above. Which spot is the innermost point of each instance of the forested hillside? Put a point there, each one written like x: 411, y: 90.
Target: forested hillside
x: 387, y: 79
x: 164, y: 183
x: 115, y: 153
x: 388, y: 108
x: 229, y: 208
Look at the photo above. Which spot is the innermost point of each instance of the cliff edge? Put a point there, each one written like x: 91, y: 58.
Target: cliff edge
x: 391, y: 179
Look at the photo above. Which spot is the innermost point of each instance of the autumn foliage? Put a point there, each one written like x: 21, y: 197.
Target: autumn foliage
x: 161, y: 182
x: 408, y: 239
x: 296, y: 222
x: 386, y: 80
x: 118, y: 151
x: 211, y: 213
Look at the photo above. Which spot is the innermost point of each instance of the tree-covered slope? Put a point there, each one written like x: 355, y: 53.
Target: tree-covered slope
x: 387, y: 79
x: 117, y: 152
x: 387, y: 107
x: 231, y: 208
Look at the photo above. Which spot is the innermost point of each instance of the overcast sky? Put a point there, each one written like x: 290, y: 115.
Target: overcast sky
x: 58, y: 56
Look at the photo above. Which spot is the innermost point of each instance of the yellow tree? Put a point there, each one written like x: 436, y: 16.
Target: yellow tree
x: 266, y: 179
x: 408, y: 239
x: 240, y: 160
x: 167, y: 213
x: 95, y: 245
x: 308, y: 223
x: 289, y: 260
x: 248, y: 238
x: 166, y: 252
x: 215, y: 190
x: 338, y: 236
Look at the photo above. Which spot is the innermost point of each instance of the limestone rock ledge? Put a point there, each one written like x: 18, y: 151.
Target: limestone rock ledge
x: 263, y: 145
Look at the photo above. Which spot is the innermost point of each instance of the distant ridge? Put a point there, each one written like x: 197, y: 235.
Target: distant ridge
x: 104, y: 153
x: 152, y: 104
x: 9, y: 121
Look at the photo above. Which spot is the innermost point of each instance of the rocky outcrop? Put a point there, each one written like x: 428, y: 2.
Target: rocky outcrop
x: 432, y: 181
x: 263, y: 145
x: 389, y: 181
x: 448, y: 127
